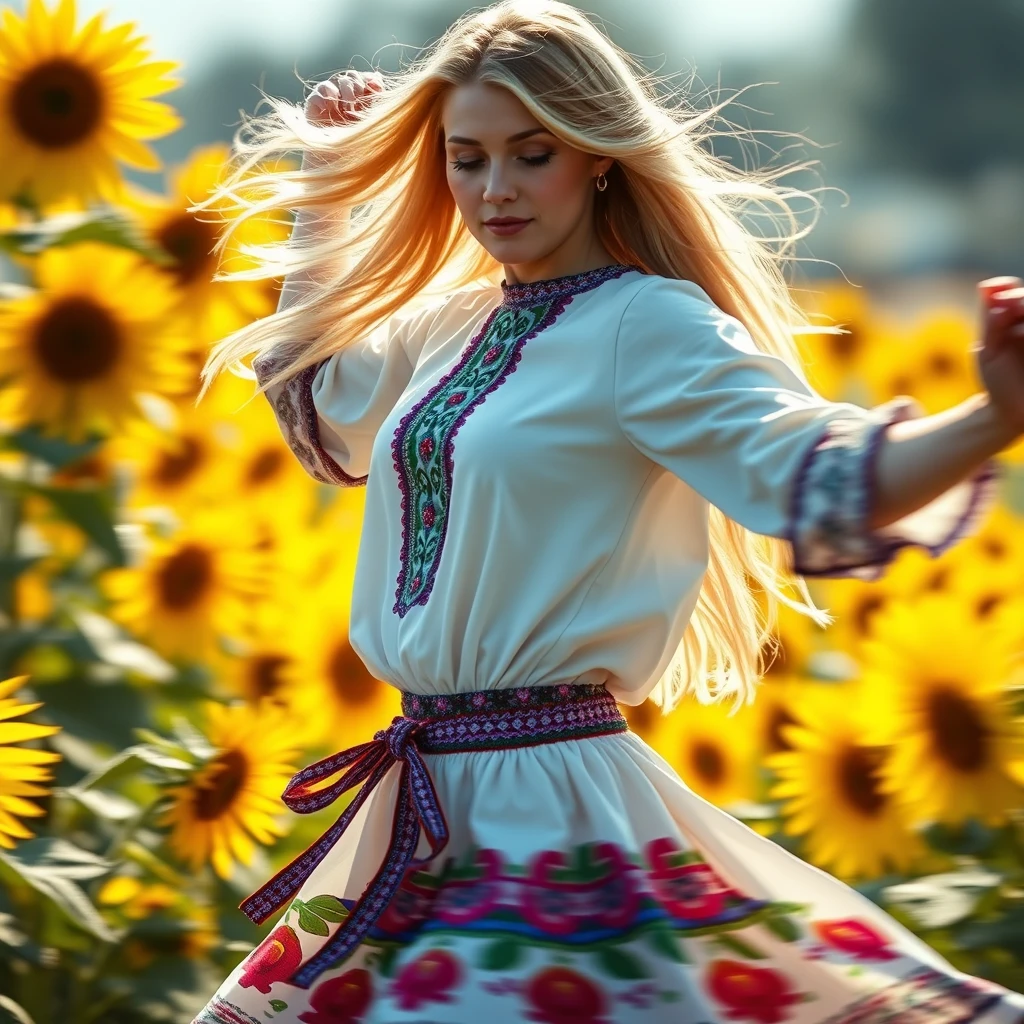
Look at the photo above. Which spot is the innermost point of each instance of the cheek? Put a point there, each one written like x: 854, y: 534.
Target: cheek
x: 559, y: 189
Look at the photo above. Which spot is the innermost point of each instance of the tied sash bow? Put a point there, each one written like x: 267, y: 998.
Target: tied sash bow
x: 417, y: 807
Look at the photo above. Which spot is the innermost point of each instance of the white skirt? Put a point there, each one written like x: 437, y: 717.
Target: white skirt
x: 585, y: 883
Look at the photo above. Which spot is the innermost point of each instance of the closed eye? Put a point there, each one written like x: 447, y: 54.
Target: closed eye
x: 533, y: 161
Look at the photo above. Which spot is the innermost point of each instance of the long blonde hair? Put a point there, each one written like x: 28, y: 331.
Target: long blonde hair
x: 671, y: 208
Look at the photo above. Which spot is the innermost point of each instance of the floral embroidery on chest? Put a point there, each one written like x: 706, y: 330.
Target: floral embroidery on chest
x: 422, y: 448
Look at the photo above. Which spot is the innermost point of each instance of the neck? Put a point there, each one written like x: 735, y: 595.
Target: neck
x: 558, y: 264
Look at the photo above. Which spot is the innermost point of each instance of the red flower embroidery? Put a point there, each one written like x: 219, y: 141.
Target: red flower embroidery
x: 559, y: 995
x: 341, y: 1000
x: 461, y: 901
x: 428, y: 978
x: 751, y: 993
x: 692, y: 891
x: 274, y: 959
x: 860, y: 940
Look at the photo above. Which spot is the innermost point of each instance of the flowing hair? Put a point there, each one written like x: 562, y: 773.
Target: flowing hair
x: 671, y: 207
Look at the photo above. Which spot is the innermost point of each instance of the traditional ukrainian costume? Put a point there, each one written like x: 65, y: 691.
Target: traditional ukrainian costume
x: 539, y: 461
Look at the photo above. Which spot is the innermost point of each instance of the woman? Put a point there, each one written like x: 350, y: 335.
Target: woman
x: 572, y: 473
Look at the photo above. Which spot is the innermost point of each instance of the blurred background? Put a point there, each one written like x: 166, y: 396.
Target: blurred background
x: 157, y: 688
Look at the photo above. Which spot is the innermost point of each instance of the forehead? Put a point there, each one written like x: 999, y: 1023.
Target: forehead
x: 484, y: 111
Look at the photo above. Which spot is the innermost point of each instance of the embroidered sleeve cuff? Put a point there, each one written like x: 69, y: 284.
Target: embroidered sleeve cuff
x: 292, y: 402
x: 835, y: 492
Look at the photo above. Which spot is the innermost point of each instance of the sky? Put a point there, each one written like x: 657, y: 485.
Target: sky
x: 189, y: 30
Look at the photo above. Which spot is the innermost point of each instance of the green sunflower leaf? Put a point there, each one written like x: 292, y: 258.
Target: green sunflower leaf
x: 620, y: 964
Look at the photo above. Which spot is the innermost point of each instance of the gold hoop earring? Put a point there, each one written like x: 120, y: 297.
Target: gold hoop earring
x: 602, y: 182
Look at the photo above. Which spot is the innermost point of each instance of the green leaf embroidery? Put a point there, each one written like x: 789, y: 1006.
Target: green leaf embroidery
x: 783, y: 927
x: 664, y: 942
x: 740, y: 947
x: 309, y: 922
x: 278, y: 1004
x: 501, y: 955
x: 330, y: 908
x: 620, y: 964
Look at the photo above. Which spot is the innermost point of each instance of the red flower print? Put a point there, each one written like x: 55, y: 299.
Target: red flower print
x: 860, y: 940
x: 274, y: 959
x: 692, y: 891
x: 409, y: 906
x: 751, y: 993
x: 463, y: 900
x: 341, y: 1000
x: 427, y: 979
x: 559, y: 995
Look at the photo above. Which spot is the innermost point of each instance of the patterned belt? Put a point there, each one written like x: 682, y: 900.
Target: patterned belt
x: 429, y: 724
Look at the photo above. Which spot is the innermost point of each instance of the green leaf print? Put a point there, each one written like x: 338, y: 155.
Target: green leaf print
x: 386, y: 961
x: 309, y: 922
x: 329, y: 908
x: 500, y: 955
x: 278, y: 1004
x: 738, y: 946
x: 783, y: 927
x: 664, y: 942
x: 620, y: 964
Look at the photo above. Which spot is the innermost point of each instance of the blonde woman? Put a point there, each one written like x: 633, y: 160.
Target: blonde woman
x: 521, y: 309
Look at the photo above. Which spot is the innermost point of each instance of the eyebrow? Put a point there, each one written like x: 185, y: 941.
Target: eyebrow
x: 511, y: 138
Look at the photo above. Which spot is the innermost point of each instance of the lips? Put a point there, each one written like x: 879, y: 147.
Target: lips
x: 500, y: 221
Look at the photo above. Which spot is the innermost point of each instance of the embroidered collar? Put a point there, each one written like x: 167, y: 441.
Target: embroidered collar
x: 533, y: 292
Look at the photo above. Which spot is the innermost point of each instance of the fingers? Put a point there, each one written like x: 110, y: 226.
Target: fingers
x: 1004, y: 314
x: 336, y: 99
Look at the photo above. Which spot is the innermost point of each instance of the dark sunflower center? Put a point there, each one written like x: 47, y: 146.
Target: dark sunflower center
x: 266, y: 465
x: 779, y: 717
x: 959, y: 735
x: 216, y: 795
x: 994, y: 547
x: 189, y: 241
x: 349, y: 677
x: 987, y: 604
x: 175, y: 466
x: 265, y: 675
x: 845, y: 346
x: 184, y: 577
x: 707, y: 762
x: 865, y: 611
x: 859, y: 779
x: 902, y: 384
x: 56, y: 104
x: 937, y: 580
x: 942, y: 365
x: 77, y: 341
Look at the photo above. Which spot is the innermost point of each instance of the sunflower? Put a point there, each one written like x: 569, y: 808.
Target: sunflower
x: 21, y: 769
x: 75, y: 101
x: 937, y: 687
x: 830, y: 783
x: 231, y: 803
x: 79, y: 351
x: 714, y: 754
x: 215, y: 308
x: 833, y: 361
x: 195, y: 587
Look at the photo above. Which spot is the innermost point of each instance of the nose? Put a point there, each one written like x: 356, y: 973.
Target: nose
x: 497, y: 187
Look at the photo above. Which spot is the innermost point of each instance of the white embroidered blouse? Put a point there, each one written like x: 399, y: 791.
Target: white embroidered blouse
x: 539, y: 461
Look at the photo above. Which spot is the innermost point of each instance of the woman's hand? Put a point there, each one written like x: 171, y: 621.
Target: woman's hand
x: 1000, y: 354
x: 337, y: 99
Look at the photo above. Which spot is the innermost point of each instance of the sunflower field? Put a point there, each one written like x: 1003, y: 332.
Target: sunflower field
x: 174, y: 588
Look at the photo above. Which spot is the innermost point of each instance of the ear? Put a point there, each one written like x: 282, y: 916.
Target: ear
x: 603, y: 165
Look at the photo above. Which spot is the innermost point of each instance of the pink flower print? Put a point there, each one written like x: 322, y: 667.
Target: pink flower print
x: 274, y: 959
x: 479, y: 699
x: 856, y: 938
x: 463, y: 900
x: 341, y: 1000
x: 415, y: 585
x: 563, y: 690
x: 442, y: 703
x: 558, y: 995
x: 757, y: 994
x: 691, y: 891
x: 457, y: 397
x: 426, y: 448
x: 427, y: 979
x: 523, y: 694
x: 409, y: 906
x: 428, y: 516
x: 492, y: 353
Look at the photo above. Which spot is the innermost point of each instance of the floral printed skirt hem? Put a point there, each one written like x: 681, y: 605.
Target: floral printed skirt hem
x: 697, y: 924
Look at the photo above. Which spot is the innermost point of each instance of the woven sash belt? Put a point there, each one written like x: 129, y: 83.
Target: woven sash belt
x: 429, y: 724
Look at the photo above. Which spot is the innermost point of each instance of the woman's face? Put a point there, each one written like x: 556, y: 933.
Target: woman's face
x: 501, y: 163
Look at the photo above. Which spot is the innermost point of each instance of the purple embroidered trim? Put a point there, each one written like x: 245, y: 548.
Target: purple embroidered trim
x: 561, y: 717
x: 292, y: 402
x: 536, y: 292
x: 835, y: 492
x: 435, y: 705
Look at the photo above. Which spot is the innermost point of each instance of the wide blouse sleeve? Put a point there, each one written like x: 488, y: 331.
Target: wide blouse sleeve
x: 329, y: 413
x: 694, y: 394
